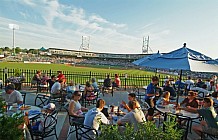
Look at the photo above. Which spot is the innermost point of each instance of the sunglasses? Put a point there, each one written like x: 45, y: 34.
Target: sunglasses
x: 78, y: 95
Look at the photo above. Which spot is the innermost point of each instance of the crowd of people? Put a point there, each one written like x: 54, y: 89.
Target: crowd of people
x: 156, y: 95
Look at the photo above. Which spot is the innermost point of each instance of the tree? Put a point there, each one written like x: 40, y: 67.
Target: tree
x: 17, y: 50
x: 33, y: 51
x: 1, y: 50
x: 7, y: 49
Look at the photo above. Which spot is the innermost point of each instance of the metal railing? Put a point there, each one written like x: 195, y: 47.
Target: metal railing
x: 127, y: 81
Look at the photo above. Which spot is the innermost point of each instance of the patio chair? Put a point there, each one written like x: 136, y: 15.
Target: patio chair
x: 41, y: 100
x: 108, y: 90
x: 58, y: 98
x: 49, y: 128
x: 42, y: 87
x: 85, y: 132
x: 34, y: 83
x: 1, y: 84
x: 86, y: 100
x: 213, y: 137
x: 24, y: 97
x: 139, y: 94
x: 72, y: 121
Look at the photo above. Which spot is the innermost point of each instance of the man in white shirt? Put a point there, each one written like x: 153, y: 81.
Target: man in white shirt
x: 94, y: 116
x: 190, y: 83
x: 56, y: 88
x: 134, y: 117
x: 11, y: 95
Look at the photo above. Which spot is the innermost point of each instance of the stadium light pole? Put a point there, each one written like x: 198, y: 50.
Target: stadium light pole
x: 13, y: 27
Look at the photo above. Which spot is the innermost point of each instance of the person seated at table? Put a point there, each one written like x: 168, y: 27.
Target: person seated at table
x: 117, y: 81
x: 212, y: 86
x: 131, y: 97
x: 134, y: 117
x: 94, y: 84
x: 75, y: 108
x: 37, y: 77
x: 107, y: 83
x: 51, y: 81
x: 181, y: 83
x: 39, y: 125
x: 215, y: 98
x: 210, y: 124
x: 94, y: 117
x: 89, y: 91
x: 56, y: 89
x: 61, y: 76
x: 44, y: 79
x: 169, y: 88
x: 190, y: 83
x: 70, y: 89
x: 199, y: 83
x: 165, y: 99
x: 11, y: 95
x: 191, y: 100
x: 151, y: 92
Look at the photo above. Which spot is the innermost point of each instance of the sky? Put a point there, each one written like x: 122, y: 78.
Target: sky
x: 113, y: 26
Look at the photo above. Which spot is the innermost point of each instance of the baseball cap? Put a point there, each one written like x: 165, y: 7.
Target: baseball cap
x: 49, y: 106
x: 10, y: 87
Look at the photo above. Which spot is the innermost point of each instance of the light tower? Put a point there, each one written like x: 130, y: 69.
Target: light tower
x: 85, y: 43
x: 13, y: 27
x: 145, y: 46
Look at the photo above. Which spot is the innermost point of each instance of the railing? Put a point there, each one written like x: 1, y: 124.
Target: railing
x: 127, y: 81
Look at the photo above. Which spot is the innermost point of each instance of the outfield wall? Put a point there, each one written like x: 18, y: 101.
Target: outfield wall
x: 37, y: 62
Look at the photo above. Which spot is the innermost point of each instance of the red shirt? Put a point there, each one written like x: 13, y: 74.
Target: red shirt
x: 117, y: 81
x: 61, y: 76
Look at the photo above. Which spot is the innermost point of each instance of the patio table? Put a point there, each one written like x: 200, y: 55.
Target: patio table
x: 14, y: 109
x: 180, y: 114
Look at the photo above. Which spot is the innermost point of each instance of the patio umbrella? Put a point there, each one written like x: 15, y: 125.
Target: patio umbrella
x: 146, y: 59
x: 182, y: 59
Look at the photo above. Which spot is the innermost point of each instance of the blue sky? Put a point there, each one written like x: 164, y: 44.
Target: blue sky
x: 116, y: 26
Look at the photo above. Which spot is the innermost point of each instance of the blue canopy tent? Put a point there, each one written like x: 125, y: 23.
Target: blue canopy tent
x: 146, y: 59
x: 181, y: 59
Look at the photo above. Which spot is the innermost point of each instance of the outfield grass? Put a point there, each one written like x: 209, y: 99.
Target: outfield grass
x: 70, y: 68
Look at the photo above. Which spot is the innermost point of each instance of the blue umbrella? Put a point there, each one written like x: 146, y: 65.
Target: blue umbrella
x: 145, y: 59
x: 181, y: 59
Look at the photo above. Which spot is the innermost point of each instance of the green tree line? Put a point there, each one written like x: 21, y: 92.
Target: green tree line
x: 18, y: 50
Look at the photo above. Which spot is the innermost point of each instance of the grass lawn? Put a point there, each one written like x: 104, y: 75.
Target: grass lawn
x: 70, y: 68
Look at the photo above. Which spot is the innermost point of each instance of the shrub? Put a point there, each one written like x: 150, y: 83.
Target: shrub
x: 9, y: 124
x: 146, y: 131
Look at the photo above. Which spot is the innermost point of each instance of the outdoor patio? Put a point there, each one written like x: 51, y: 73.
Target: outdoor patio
x: 63, y: 125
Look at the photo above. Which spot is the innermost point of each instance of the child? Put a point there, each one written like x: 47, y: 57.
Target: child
x: 38, y: 126
x: 165, y: 99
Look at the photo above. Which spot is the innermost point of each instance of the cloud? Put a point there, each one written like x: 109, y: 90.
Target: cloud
x: 28, y: 2
x: 63, y: 27
x: 23, y: 14
x: 96, y: 18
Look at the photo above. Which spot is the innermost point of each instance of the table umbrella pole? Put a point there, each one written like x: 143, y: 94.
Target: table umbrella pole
x: 180, y: 80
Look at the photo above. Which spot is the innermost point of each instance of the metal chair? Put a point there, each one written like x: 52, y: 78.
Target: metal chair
x: 86, y: 100
x: 72, y: 121
x: 213, y: 137
x: 41, y: 100
x: 49, y: 128
x: 85, y: 132
x: 24, y: 97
